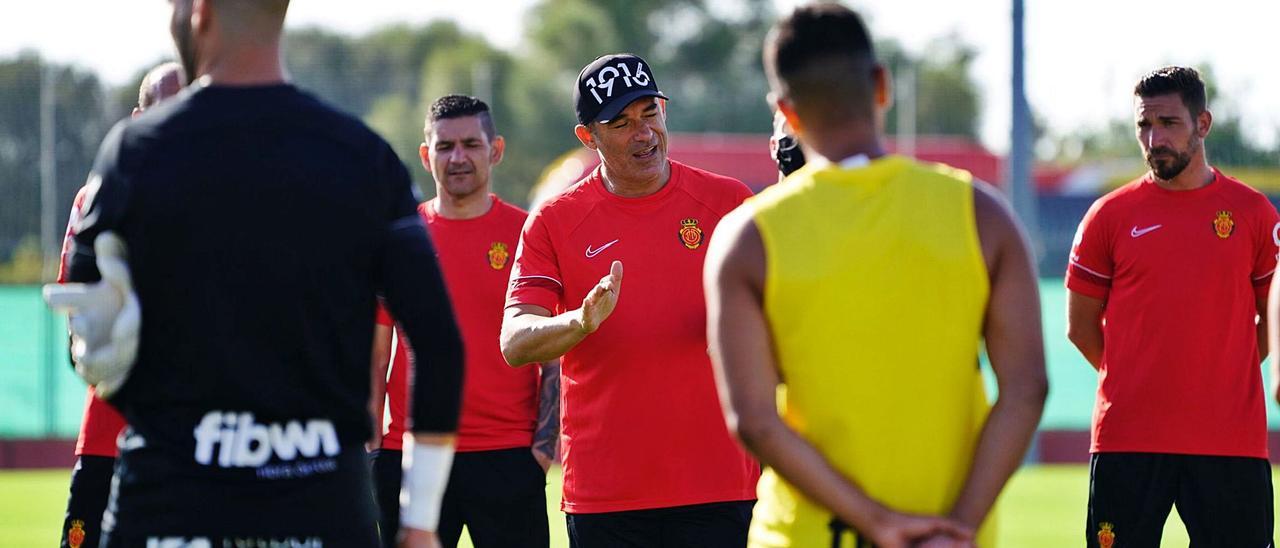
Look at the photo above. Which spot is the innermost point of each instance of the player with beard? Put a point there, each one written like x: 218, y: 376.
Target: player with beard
x: 241, y: 232
x: 96, y: 446
x: 1167, y: 277
x: 510, y: 417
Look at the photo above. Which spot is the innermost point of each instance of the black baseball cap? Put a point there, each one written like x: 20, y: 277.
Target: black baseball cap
x: 610, y: 83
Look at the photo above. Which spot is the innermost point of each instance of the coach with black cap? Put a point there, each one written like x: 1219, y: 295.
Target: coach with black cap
x: 648, y: 460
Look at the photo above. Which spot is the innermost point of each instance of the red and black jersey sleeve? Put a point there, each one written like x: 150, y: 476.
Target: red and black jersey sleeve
x: 535, y: 276
x: 1090, y: 267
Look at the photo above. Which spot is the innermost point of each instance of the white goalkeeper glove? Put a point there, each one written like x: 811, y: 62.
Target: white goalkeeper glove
x: 105, y: 318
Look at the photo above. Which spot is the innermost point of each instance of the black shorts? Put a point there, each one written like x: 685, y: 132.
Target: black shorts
x: 1223, y: 501
x: 713, y: 525
x: 387, y: 474
x: 158, y: 502
x: 90, y: 488
x: 500, y: 496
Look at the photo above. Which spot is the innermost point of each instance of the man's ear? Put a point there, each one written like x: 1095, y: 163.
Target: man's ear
x: 424, y: 152
x: 496, y: 148
x: 584, y: 136
x: 883, y: 82
x: 1203, y: 123
x: 201, y: 16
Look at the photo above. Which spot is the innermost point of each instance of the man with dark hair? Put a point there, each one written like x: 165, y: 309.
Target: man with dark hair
x: 241, y: 232
x: 510, y: 417
x: 880, y: 434
x: 1167, y: 277
x: 96, y: 446
x: 647, y: 459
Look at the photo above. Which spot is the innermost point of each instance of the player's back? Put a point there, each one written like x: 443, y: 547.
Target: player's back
x: 875, y: 293
x: 255, y: 219
x: 251, y: 217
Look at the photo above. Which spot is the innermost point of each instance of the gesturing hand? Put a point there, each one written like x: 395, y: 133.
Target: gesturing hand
x: 600, y: 301
x: 105, y: 318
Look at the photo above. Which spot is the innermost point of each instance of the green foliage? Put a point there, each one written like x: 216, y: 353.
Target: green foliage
x: 25, y: 264
x: 705, y: 55
x: 1226, y: 145
x: 82, y: 118
x: 947, y: 100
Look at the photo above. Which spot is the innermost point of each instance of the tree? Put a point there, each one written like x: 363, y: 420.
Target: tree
x: 946, y: 99
x: 81, y: 121
x: 1226, y: 145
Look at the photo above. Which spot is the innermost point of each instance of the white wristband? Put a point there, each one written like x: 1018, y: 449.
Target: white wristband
x: 426, y: 473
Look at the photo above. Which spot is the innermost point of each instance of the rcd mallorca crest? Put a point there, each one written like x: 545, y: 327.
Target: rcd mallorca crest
x: 1223, y: 226
x: 1106, y: 537
x: 498, y: 255
x: 690, y: 234
x: 75, y: 535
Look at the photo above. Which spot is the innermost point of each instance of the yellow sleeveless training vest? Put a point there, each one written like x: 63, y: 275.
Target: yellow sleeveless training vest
x: 875, y: 294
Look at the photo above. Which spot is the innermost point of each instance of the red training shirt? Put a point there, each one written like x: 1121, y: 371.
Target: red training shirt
x: 396, y: 407
x: 499, y: 402
x: 641, y: 425
x: 101, y: 424
x: 1181, y: 274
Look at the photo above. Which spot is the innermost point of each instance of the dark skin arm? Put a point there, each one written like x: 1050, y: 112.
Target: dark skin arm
x: 1084, y: 326
x: 747, y: 378
x: 1015, y: 346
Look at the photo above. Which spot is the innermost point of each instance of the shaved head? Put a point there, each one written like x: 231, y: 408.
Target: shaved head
x: 205, y: 29
x: 160, y: 83
x: 252, y: 18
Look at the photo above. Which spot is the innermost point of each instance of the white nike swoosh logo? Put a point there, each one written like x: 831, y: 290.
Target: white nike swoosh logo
x: 593, y: 252
x: 1135, y: 232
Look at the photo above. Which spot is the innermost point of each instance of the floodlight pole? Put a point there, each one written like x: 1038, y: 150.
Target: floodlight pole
x: 1021, y: 187
x: 49, y: 248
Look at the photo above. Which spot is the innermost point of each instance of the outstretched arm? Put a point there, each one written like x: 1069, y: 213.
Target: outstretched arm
x: 531, y: 334
x: 747, y: 378
x: 1015, y: 346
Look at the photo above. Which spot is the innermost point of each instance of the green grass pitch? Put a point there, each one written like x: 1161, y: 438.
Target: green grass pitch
x: 1043, y: 506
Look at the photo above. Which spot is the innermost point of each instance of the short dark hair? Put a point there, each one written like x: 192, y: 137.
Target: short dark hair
x: 821, y: 58
x: 1185, y: 81
x: 459, y: 106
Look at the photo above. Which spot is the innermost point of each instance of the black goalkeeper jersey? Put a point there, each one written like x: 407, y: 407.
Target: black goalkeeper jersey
x: 261, y: 225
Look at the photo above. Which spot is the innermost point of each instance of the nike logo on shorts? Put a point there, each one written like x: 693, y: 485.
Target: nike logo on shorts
x: 593, y: 252
x: 1136, y: 232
